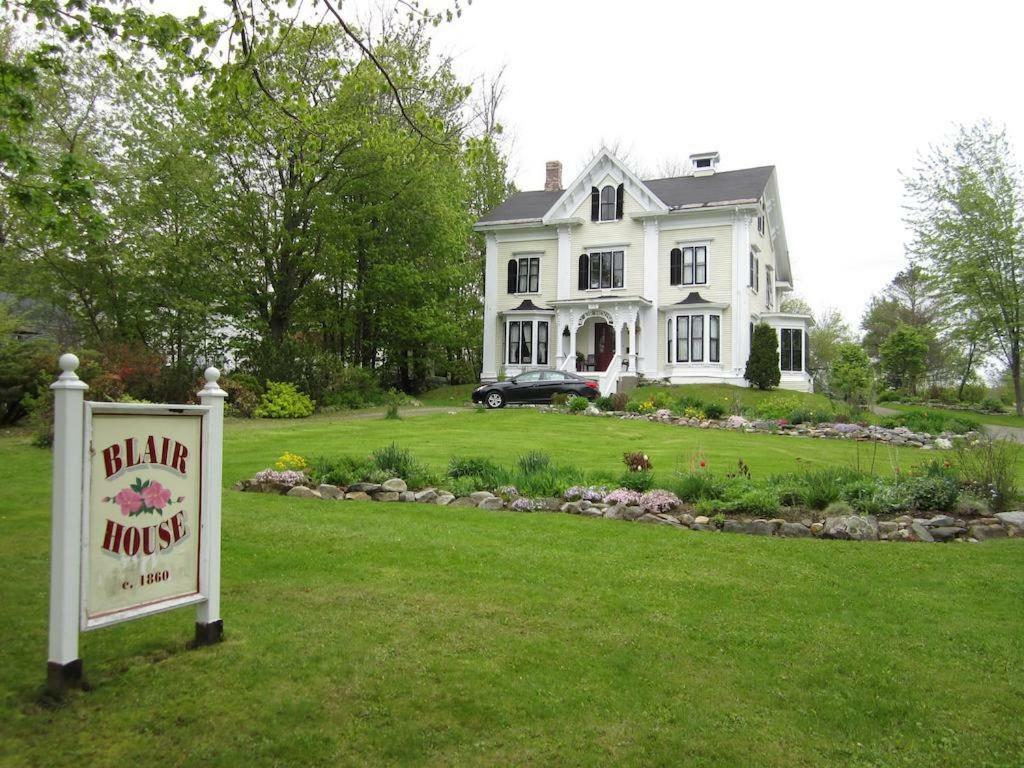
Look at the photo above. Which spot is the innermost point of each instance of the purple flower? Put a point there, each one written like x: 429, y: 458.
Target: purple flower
x: 659, y: 501
x: 288, y: 478
x: 523, y: 505
x: 586, y: 493
x: 623, y: 496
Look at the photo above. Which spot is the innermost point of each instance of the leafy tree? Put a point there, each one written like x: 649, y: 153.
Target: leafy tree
x: 904, y: 358
x: 762, y: 369
x: 825, y: 338
x: 850, y: 377
x: 965, y: 216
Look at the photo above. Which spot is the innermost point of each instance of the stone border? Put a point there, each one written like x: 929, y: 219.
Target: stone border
x: 938, y: 528
x: 898, y: 436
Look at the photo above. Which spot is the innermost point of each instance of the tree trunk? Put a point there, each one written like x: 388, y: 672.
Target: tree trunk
x: 967, y: 373
x: 1015, y: 372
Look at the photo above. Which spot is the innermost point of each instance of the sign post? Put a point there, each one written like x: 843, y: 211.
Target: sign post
x: 136, y: 515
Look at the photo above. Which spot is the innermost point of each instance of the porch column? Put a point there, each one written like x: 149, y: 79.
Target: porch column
x: 617, y: 350
x: 571, y: 353
x: 632, y: 346
x: 558, y: 325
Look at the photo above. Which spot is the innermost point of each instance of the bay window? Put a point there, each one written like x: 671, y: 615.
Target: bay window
x: 791, y: 349
x: 690, y: 334
x: 521, y: 349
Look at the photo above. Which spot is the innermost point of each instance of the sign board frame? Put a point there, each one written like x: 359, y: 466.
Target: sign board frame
x: 99, y: 620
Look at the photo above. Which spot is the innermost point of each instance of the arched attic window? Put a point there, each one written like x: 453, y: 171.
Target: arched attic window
x: 606, y: 203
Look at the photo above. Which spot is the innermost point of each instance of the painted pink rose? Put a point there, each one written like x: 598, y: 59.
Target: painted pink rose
x: 129, y: 501
x: 155, y: 495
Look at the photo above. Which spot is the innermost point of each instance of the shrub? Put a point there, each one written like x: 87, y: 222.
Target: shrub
x: 243, y: 398
x: 927, y: 493
x: 714, y: 410
x: 691, y: 412
x: 26, y: 371
x: 393, y: 399
x: 533, y: 462
x: 578, y: 404
x: 560, y: 399
x: 659, y: 501
x: 619, y: 401
x: 465, y: 485
x: 396, y: 461
x: 466, y: 466
x: 865, y: 496
x: 353, y: 387
x: 791, y: 493
x: 991, y: 404
x: 283, y: 401
x: 988, y: 469
x: 623, y: 496
x: 634, y: 407
x: 760, y: 502
x: 693, y: 486
x: 637, y: 481
x: 931, y: 422
x: 346, y: 470
x: 762, y: 369
x: 637, y: 461
x: 507, y: 492
x: 604, y: 403
x: 823, y: 487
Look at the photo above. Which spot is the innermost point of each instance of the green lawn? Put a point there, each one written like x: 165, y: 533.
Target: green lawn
x: 377, y: 634
x: 452, y: 395
x: 1001, y: 419
x: 727, y: 394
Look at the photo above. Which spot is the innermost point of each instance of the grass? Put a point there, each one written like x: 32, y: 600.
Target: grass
x: 458, y: 394
x: 379, y: 634
x: 1000, y: 419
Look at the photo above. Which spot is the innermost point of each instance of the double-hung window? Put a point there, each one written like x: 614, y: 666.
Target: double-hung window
x: 689, y: 265
x: 529, y: 274
x: 791, y: 349
x: 755, y: 273
x: 520, y: 342
x: 690, y: 335
x: 769, y: 292
x: 607, y: 269
x: 542, y: 342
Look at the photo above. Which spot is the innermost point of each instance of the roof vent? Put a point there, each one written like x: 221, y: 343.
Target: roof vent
x: 703, y: 163
x: 552, y: 176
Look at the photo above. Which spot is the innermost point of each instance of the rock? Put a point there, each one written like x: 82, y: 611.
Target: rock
x: 793, y: 530
x: 407, y: 496
x: 852, y: 527
x: 328, y: 491
x: 395, y: 484
x: 364, y: 487
x: 464, y: 501
x: 632, y: 513
x: 479, y: 496
x: 656, y: 519
x: 592, y: 512
x: 702, y: 520
x: 888, y: 526
x: 901, y: 534
x: 921, y: 532
x: 444, y: 499
x: 943, y: 444
x: 817, y: 528
x: 736, y: 422
x: 686, y: 518
x: 549, y: 504
x: 491, y: 502
x: 383, y: 495
x: 302, y: 492
x: 941, y: 521
x: 357, y: 496
x: 984, y: 532
x: 753, y: 527
x: 572, y: 507
x: 903, y: 519
x: 946, y: 532
x: 614, y: 512
x: 426, y: 496
x: 1013, y: 519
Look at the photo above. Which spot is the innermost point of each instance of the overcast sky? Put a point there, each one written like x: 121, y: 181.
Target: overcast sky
x: 839, y: 97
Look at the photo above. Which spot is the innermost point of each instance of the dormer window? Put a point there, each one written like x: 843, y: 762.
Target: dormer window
x: 702, y: 162
x: 606, y: 203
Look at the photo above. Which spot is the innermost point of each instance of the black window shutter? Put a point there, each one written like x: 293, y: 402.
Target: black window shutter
x: 513, y: 276
x: 595, y: 203
x: 675, y: 267
x: 584, y: 278
x: 620, y: 195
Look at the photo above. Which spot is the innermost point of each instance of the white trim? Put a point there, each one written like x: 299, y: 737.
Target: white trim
x: 517, y: 237
x: 564, y: 272
x: 603, y: 165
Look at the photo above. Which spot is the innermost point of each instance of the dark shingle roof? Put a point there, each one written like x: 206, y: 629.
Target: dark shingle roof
x: 528, y: 306
x: 525, y: 205
x: 676, y: 192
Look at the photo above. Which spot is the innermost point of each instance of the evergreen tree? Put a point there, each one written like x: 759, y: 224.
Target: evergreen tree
x: 763, y: 364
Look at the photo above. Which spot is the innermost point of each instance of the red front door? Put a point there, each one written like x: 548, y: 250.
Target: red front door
x: 604, y: 345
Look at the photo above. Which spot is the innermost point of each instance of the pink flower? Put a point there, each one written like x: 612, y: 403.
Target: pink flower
x: 128, y: 500
x: 155, y: 495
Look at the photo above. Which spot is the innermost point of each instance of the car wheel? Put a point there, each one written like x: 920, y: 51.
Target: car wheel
x: 494, y: 400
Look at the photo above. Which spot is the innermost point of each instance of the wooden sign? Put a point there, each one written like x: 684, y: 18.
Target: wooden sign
x: 136, y: 515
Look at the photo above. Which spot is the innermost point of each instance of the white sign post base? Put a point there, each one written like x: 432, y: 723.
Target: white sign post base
x: 136, y: 515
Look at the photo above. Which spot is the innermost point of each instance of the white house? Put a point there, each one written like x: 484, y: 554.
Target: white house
x: 665, y: 277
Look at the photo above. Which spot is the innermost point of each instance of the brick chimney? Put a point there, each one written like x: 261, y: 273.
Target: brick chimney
x: 553, y: 176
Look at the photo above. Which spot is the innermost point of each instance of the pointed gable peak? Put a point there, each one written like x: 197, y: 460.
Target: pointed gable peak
x: 604, y: 167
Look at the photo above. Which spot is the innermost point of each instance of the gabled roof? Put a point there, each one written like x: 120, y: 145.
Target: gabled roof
x: 679, y: 192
